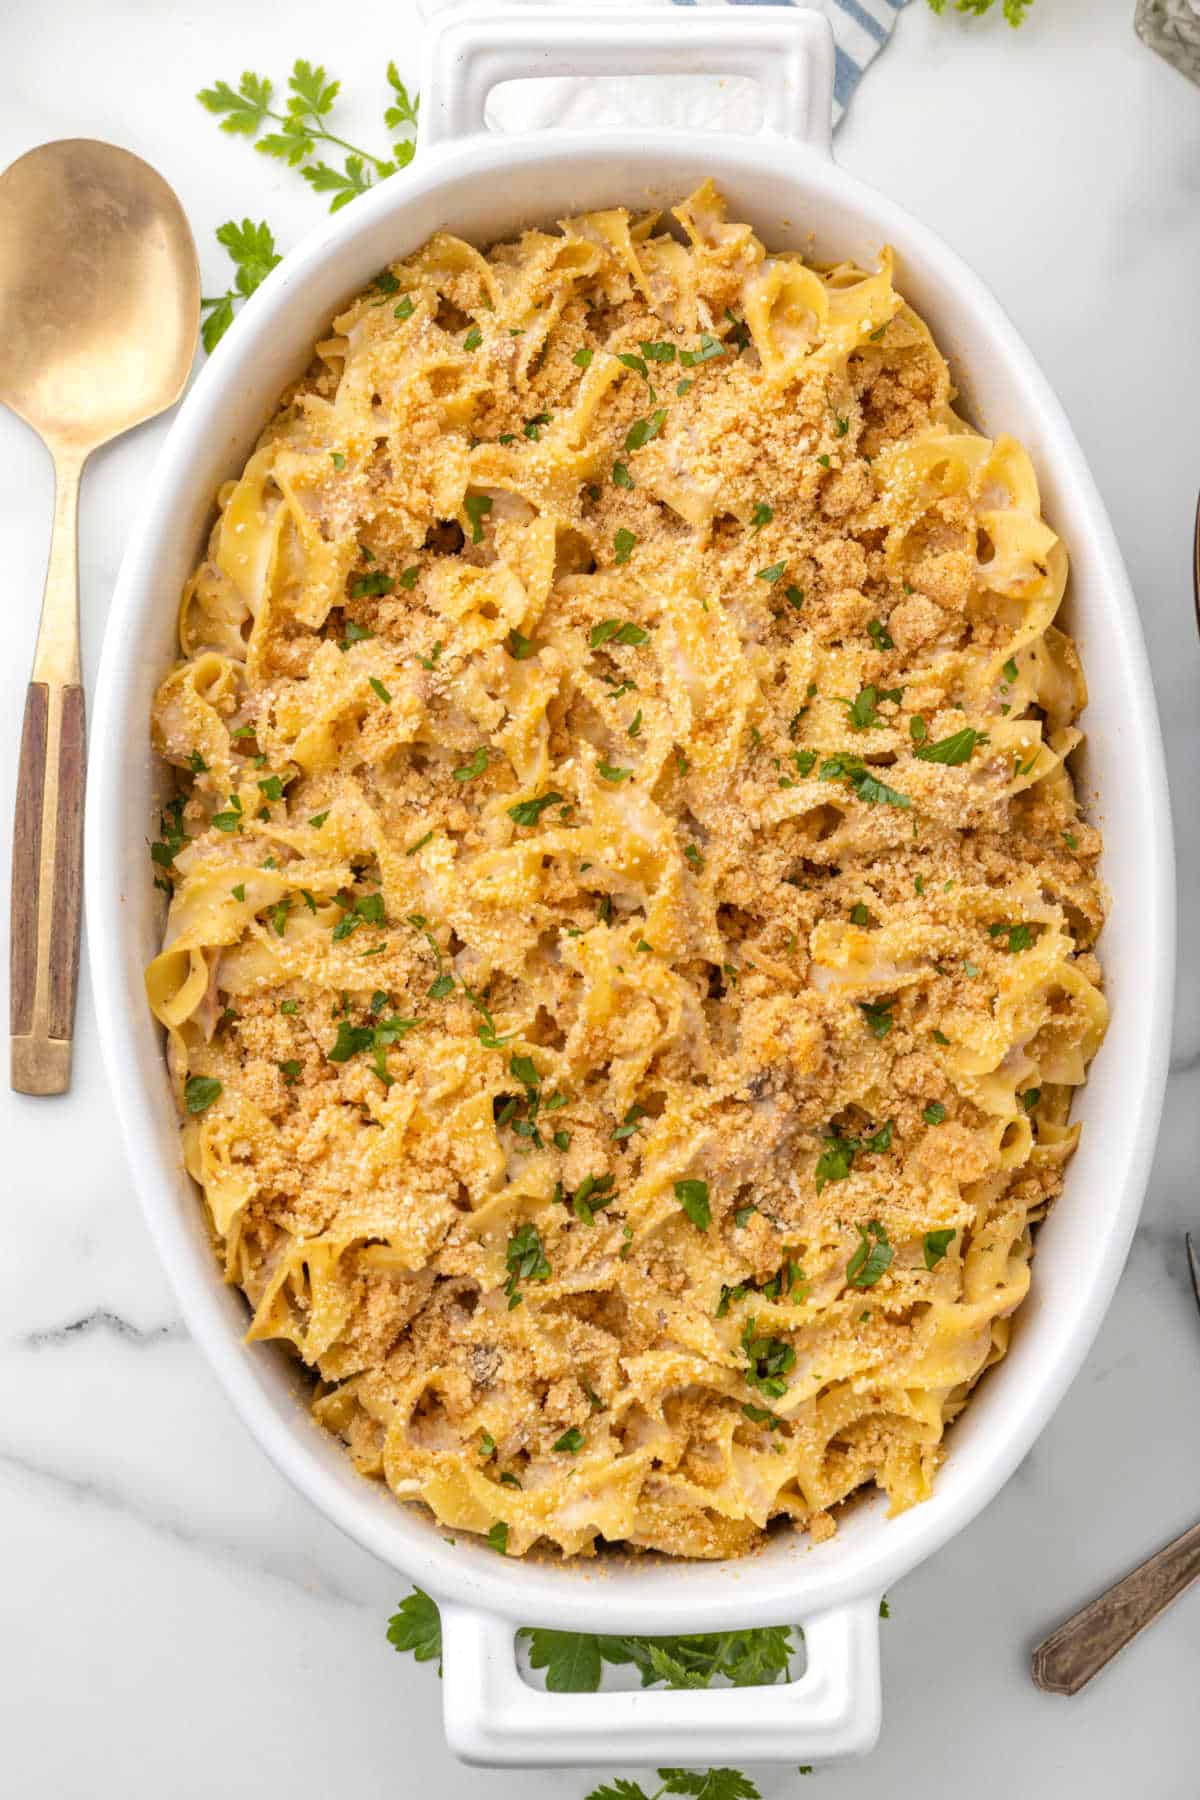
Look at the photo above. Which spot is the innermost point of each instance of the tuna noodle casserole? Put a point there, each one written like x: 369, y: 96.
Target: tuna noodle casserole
x: 630, y: 936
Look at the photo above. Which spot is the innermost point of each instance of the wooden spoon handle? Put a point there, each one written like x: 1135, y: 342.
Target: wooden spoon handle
x: 47, y: 878
x: 1070, y: 1656
x: 47, y: 862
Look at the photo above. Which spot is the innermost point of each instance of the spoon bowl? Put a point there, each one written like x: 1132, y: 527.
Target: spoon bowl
x: 99, y: 314
x: 99, y: 291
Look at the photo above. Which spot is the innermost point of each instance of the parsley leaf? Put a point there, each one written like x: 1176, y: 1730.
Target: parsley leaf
x: 936, y: 1244
x: 872, y: 1258
x: 571, y: 1659
x: 525, y: 1260
x: 367, y: 586
x: 416, y: 1625
x: 693, y: 1198
x: 199, y: 1092
x: 528, y: 812
x: 863, y: 782
x: 623, y: 544
x: 571, y: 1442
x: 643, y: 430
x: 771, y: 1360
x: 469, y: 770
x: 617, y: 631
x: 519, y: 647
x: 952, y: 750
x: 611, y: 773
x: 878, y: 1017
x: 477, y: 507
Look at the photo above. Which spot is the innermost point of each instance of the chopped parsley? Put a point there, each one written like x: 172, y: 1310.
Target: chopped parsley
x: 837, y: 1158
x: 872, y: 1258
x: 469, y: 770
x: 528, y: 812
x: 378, y: 688
x: 623, y: 544
x: 371, y: 585
x: 473, y: 338
x: 525, y: 1260
x: 1030, y: 1098
x: 693, y: 1198
x: 862, y: 709
x: 771, y: 574
x: 620, y: 476
x: 610, y: 773
x: 934, y: 1113
x: 1019, y: 937
x: 762, y: 515
x: 199, y: 1092
x: 593, y: 1194
x: 477, y: 507
x: 617, y: 631
x: 643, y: 430
x: 879, y: 1018
x: 761, y: 1415
x: 367, y: 909
x: 583, y: 358
x: 710, y: 347
x: 952, y: 750
x: 405, y: 309
x: 497, y: 1536
x: 879, y: 635
x: 571, y: 1442
x: 232, y: 819
x: 936, y: 1244
x: 771, y: 1360
x: 419, y: 845
x: 629, y: 1123
x: 794, y: 596
x: 863, y: 783
x: 519, y: 647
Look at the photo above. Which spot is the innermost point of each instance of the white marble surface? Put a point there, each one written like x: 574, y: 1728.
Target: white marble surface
x: 176, y: 1622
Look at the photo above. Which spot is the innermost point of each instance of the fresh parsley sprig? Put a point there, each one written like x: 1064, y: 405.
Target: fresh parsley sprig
x: 252, y: 249
x: 574, y: 1661
x: 303, y: 126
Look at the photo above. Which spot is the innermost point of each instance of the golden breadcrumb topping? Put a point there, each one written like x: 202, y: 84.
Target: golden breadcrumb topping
x: 630, y: 942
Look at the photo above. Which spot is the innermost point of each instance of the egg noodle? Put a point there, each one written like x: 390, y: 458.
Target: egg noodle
x: 629, y: 949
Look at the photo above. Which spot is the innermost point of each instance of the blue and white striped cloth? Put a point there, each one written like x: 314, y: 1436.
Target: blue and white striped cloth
x: 861, y: 28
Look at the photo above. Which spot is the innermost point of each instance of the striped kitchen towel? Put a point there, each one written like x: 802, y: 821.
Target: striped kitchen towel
x: 861, y: 28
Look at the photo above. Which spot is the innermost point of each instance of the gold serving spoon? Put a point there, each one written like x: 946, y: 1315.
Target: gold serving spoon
x: 99, y: 312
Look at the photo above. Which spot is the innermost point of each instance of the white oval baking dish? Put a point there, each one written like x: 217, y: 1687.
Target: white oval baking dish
x: 785, y: 182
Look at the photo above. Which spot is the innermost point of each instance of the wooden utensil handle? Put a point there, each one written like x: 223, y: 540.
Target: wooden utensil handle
x: 47, y: 874
x: 1070, y: 1656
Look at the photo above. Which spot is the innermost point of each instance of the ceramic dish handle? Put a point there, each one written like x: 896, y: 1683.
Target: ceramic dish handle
x: 789, y: 53
x: 494, y: 1717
